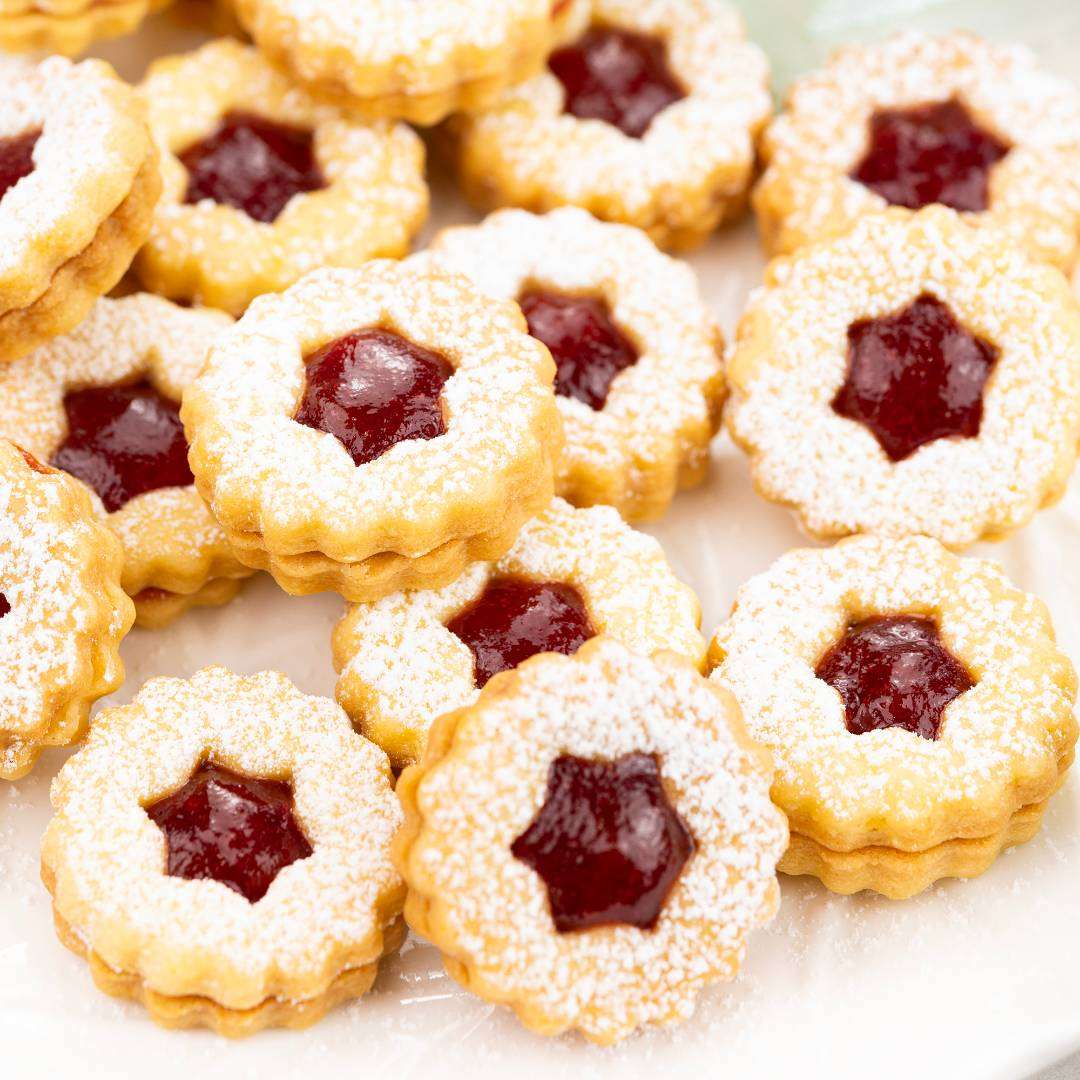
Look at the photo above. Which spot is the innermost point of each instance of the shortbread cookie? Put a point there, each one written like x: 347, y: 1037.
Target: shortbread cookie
x: 400, y: 60
x: 374, y: 430
x: 917, y: 706
x: 592, y: 841
x: 648, y: 119
x: 103, y: 404
x: 917, y: 375
x: 78, y: 183
x: 263, y: 183
x: 571, y: 575
x: 221, y: 853
x: 68, y: 26
x: 918, y: 120
x: 62, y: 611
x: 639, y: 375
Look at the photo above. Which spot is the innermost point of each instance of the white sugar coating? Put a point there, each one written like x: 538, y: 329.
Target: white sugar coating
x: 53, y: 564
x: 659, y: 412
x: 493, y: 909
x: 791, y: 358
x: 374, y: 200
x: 320, y: 916
x: 93, y: 143
x: 1001, y: 744
x: 823, y: 130
x: 697, y: 149
x: 401, y: 667
x: 123, y: 341
x: 263, y: 472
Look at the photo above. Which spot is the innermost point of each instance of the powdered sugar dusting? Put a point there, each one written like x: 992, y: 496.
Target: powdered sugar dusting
x: 791, y: 358
x: 401, y: 667
x: 1001, y: 744
x: 493, y: 909
x: 320, y: 915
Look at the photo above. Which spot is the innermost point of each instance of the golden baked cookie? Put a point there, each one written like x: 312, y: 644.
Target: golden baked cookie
x: 263, y: 183
x: 591, y: 841
x: 401, y: 60
x: 571, y: 575
x: 62, y: 611
x: 220, y: 852
x: 916, y: 375
x: 916, y: 120
x: 918, y: 709
x: 374, y: 430
x: 648, y: 118
x: 68, y: 26
x: 78, y: 183
x: 638, y: 354
x: 102, y: 403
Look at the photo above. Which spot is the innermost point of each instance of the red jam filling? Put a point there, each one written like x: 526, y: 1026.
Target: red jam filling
x: 123, y: 441
x: 914, y: 377
x: 373, y: 389
x: 607, y: 842
x: 252, y: 164
x: 894, y: 671
x: 588, y: 348
x: 5, y: 607
x: 513, y: 619
x: 930, y: 154
x: 231, y: 828
x: 616, y: 76
x: 16, y: 159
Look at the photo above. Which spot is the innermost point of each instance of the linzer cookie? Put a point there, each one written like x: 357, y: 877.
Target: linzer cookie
x: 917, y: 706
x: 69, y: 26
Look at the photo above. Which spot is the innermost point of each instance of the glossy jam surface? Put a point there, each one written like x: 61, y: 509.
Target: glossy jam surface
x: 588, y: 348
x: 607, y: 842
x: 513, y: 619
x: 235, y: 829
x: 252, y: 164
x: 616, y: 76
x: 930, y: 154
x: 5, y: 607
x: 123, y: 441
x: 16, y: 158
x: 373, y: 389
x: 894, y: 671
x: 915, y: 376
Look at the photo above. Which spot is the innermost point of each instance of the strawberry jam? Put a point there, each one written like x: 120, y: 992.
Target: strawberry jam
x: 894, y: 671
x: 373, y: 389
x: 5, y: 607
x: 123, y: 441
x: 514, y: 619
x: 607, y: 843
x: 16, y: 159
x: 930, y: 154
x: 915, y: 377
x: 588, y: 348
x: 616, y: 76
x: 231, y: 828
x: 252, y: 164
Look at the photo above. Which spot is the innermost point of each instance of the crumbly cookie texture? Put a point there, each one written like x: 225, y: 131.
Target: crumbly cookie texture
x: 812, y: 147
x: 374, y: 201
x: 400, y: 667
x: 690, y: 171
x: 69, y: 229
x: 917, y: 809
x: 172, y: 543
x: 791, y: 357
x: 64, y: 613
x: 480, y: 784
x: 69, y: 26
x: 290, y: 497
x: 194, y: 951
x: 652, y: 435
x: 393, y: 59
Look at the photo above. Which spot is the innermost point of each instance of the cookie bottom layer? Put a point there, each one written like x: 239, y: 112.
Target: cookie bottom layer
x: 40, y: 31
x: 157, y: 608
